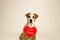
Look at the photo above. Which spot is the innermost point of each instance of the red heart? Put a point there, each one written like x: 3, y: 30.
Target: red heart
x: 29, y: 31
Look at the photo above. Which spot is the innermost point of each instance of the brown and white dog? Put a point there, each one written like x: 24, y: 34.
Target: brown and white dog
x: 31, y: 17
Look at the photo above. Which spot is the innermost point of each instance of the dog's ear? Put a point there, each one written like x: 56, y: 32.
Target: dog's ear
x: 36, y: 16
x: 27, y: 14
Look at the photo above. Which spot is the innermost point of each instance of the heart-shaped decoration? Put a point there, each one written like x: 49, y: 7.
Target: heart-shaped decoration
x: 29, y: 31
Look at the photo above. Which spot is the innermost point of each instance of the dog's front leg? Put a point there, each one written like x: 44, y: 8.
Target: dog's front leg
x: 34, y: 37
x: 20, y: 37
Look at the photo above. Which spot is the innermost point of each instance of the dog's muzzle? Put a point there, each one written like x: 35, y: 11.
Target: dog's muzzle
x: 30, y: 20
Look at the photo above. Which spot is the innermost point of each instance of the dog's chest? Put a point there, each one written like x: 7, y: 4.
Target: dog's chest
x: 26, y: 38
x: 29, y: 38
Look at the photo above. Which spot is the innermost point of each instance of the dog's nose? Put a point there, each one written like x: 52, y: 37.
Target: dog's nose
x: 30, y: 20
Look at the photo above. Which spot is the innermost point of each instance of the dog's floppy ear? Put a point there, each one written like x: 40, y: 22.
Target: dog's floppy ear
x: 36, y: 16
x: 27, y: 14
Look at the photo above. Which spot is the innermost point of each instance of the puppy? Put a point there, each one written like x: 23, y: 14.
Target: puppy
x: 31, y: 17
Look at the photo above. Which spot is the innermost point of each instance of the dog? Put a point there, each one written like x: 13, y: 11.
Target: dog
x: 31, y: 17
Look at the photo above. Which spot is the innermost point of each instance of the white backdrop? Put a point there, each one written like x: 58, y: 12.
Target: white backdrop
x: 13, y: 18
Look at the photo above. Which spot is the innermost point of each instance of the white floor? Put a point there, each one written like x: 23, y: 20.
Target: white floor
x: 39, y: 37
x: 8, y: 37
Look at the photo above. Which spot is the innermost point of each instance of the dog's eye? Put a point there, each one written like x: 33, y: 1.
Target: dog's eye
x: 28, y: 16
x: 33, y: 16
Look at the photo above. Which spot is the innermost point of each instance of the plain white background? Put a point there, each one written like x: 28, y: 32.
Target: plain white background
x: 12, y: 17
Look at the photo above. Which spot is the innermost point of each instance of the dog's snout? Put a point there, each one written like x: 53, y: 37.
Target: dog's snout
x: 30, y: 20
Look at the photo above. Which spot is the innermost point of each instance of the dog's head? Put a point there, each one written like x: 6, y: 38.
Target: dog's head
x: 31, y: 17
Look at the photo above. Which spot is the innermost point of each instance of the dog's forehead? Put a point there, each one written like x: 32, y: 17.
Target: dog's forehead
x: 31, y: 14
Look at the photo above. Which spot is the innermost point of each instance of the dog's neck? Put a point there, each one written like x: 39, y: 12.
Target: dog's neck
x: 31, y: 24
